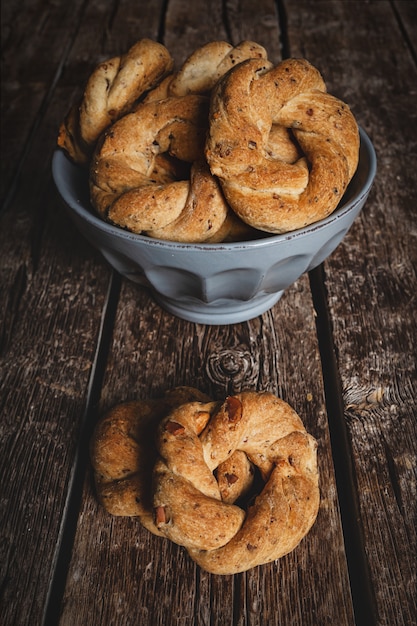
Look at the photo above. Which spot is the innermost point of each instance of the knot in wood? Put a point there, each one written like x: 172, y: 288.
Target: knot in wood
x: 228, y: 364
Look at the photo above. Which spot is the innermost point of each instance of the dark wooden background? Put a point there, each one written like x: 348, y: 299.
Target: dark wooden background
x: 75, y: 338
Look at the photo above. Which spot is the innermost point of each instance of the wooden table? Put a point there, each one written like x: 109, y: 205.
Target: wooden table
x: 75, y: 338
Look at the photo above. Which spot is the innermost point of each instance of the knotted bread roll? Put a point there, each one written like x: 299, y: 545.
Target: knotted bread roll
x: 111, y: 91
x: 234, y: 482
x: 158, y: 196
x: 195, y: 440
x: 138, y: 179
x: 272, y: 188
x: 123, y: 453
x: 203, y: 68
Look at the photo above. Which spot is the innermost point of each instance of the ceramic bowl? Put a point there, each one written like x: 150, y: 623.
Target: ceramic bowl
x: 215, y: 283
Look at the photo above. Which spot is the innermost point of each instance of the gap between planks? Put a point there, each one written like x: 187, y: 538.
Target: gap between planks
x: 362, y: 596
x: 363, y: 599
x: 75, y: 487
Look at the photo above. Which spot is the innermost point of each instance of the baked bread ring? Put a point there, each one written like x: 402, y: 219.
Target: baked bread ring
x: 203, y: 68
x: 194, y: 441
x: 137, y: 177
x: 123, y: 453
x: 268, y: 188
x: 111, y: 91
x: 202, y: 455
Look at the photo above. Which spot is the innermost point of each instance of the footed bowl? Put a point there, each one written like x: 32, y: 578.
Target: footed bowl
x: 221, y: 283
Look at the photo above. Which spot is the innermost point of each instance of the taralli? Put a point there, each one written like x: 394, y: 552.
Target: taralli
x: 234, y: 482
x: 111, y: 91
x: 203, y: 68
x: 123, y: 453
x: 273, y: 189
x: 227, y: 148
x: 156, y: 195
x: 137, y: 177
x: 195, y: 440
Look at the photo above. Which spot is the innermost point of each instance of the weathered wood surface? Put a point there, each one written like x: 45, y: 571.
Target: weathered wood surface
x: 74, y: 339
x: 371, y: 281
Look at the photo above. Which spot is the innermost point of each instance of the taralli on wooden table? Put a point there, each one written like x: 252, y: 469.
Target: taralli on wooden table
x: 209, y: 459
x: 123, y: 453
x: 94, y: 315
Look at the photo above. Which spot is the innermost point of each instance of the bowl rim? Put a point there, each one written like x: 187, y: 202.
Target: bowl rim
x: 60, y: 159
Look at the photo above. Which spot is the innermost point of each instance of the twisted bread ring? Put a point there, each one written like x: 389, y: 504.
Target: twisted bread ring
x: 203, y: 68
x: 196, y: 439
x: 112, y: 89
x: 123, y: 455
x: 273, y: 190
x: 136, y: 180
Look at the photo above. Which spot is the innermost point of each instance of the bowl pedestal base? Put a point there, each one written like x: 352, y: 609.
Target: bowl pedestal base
x: 221, y: 311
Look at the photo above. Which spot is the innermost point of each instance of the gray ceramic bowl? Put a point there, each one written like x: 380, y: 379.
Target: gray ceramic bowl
x: 215, y: 283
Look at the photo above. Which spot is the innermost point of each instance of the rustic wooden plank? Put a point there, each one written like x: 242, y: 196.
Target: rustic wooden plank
x: 153, y: 352
x: 407, y: 19
x: 53, y: 292
x: 52, y: 301
x: 31, y: 30
x: 371, y: 281
x: 185, y: 30
x: 125, y: 570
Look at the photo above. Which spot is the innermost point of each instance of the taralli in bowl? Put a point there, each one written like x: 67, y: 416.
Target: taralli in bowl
x: 111, y: 91
x: 215, y: 283
x: 134, y: 185
x: 267, y: 189
x: 204, y: 67
x: 202, y: 192
x: 234, y: 482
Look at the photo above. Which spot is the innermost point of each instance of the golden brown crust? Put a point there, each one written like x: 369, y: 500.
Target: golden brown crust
x: 111, y: 91
x: 133, y: 188
x: 203, y: 464
x: 203, y: 68
x: 123, y: 453
x: 219, y: 535
x: 280, y: 517
x: 267, y: 185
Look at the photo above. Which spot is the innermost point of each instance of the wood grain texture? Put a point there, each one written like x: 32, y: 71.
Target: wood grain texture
x: 371, y: 283
x: 52, y: 289
x: 56, y: 322
x: 52, y: 304
x: 30, y: 30
x: 153, y: 351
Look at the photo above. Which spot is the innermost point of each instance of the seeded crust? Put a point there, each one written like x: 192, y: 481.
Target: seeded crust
x: 204, y: 464
x: 276, y: 190
x: 204, y: 67
x: 123, y: 453
x: 111, y: 91
x: 138, y: 179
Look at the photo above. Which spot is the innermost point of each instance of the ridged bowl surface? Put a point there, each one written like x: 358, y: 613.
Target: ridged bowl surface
x: 215, y: 283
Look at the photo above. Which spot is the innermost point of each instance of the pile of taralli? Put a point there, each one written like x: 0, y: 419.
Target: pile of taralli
x: 227, y: 148
x: 234, y: 482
